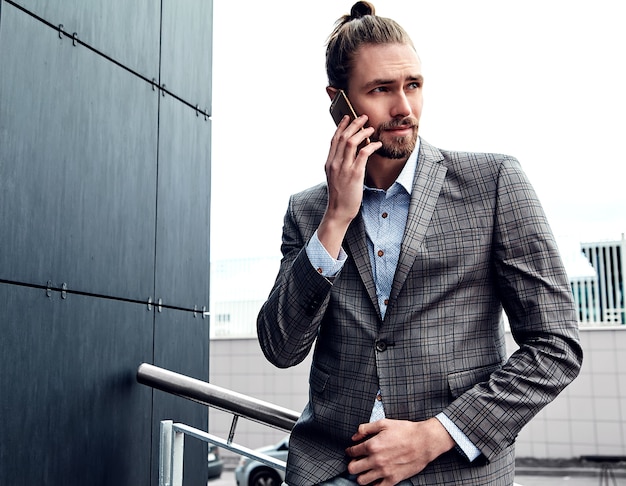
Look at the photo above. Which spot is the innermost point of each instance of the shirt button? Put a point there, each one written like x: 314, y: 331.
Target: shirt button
x: 380, y: 253
x: 384, y: 215
x: 319, y: 270
x: 379, y: 397
x: 386, y: 301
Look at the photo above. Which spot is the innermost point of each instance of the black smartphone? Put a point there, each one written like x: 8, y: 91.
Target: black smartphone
x: 341, y: 106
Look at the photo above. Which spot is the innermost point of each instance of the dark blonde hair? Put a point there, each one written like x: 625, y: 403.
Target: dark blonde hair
x: 361, y: 26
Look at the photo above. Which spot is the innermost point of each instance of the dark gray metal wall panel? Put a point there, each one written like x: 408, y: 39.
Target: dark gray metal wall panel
x: 72, y: 411
x: 187, y: 50
x: 179, y: 342
x: 181, y: 345
x: 182, y: 264
x: 80, y: 190
x: 78, y: 141
x: 126, y: 31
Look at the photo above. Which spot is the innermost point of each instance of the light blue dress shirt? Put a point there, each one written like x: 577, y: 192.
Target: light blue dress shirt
x: 385, y: 214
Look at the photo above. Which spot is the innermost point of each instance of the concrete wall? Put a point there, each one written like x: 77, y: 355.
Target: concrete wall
x: 588, y: 418
x: 239, y: 364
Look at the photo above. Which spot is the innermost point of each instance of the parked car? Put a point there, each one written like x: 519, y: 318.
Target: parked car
x: 250, y: 472
x: 215, y: 463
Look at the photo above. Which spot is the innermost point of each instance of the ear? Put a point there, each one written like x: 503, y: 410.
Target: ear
x: 331, y: 91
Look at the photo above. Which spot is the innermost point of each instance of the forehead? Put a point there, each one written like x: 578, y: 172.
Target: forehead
x: 389, y: 62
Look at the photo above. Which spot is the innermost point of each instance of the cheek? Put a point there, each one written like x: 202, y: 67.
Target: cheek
x: 417, y: 106
x: 375, y: 112
x: 376, y: 117
x: 374, y: 123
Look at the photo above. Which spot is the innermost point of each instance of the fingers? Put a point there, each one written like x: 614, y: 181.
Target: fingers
x: 363, y: 449
x: 349, y: 136
x: 345, y: 173
x: 335, y: 141
x: 389, y: 451
x: 370, y: 469
x: 367, y: 429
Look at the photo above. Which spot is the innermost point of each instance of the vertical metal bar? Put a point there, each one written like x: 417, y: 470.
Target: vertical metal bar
x: 622, y: 277
x: 178, y: 449
x: 233, y: 425
x: 575, y: 288
x: 604, y: 303
x: 581, y: 295
x: 588, y: 300
x: 597, y: 264
x: 617, y: 294
x: 165, y: 454
x: 610, y: 279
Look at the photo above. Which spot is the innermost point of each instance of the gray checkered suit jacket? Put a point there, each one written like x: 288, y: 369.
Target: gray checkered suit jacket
x: 476, y: 240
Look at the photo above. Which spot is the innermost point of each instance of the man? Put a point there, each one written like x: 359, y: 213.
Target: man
x: 398, y: 268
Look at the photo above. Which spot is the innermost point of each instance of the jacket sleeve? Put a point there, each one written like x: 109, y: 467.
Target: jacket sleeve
x: 536, y: 296
x: 288, y: 321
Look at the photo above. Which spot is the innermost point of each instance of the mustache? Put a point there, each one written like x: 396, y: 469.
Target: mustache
x: 406, y: 122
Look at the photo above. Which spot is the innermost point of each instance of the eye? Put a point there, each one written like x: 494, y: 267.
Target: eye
x: 380, y: 89
x: 415, y: 85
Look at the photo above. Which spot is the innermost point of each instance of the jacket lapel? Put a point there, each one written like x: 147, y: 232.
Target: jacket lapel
x: 429, y: 177
x: 356, y: 244
x: 427, y: 183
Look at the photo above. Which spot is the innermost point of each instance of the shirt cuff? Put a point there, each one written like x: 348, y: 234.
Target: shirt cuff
x: 465, y: 445
x: 321, y: 260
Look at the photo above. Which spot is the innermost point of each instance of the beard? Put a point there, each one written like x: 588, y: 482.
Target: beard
x: 397, y: 147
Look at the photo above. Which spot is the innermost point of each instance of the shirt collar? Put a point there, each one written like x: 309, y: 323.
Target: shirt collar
x: 405, y: 179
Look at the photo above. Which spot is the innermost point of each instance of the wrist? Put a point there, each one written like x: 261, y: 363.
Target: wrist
x: 442, y: 441
x: 331, y: 233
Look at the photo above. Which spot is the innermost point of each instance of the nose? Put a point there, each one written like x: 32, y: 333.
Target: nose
x: 401, y: 106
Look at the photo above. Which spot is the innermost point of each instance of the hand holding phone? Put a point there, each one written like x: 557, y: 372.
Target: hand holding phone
x: 341, y: 106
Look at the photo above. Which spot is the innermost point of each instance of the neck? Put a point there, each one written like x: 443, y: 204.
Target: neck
x: 381, y: 172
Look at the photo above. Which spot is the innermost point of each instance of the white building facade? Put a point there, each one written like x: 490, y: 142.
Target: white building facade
x: 600, y: 297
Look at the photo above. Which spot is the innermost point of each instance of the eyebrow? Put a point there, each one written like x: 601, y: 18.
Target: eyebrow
x: 384, y: 82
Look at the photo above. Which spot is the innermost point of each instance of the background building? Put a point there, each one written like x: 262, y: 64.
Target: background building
x: 600, y: 299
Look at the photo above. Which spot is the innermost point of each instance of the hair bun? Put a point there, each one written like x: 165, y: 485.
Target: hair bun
x: 361, y: 9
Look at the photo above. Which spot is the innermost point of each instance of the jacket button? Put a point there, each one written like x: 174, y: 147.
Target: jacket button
x: 381, y: 346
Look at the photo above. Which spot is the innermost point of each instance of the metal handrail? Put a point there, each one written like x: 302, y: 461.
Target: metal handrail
x: 214, y: 396
x: 172, y: 434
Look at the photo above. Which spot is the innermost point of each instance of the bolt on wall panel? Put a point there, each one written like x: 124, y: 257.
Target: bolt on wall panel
x: 187, y: 51
x: 73, y: 413
x: 78, y: 150
x: 127, y: 32
x: 181, y: 345
x: 182, y: 262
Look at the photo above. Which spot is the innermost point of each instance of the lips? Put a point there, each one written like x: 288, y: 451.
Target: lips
x: 400, y: 128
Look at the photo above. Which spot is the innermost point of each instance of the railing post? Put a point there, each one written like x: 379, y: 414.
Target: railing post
x: 171, y: 454
x: 172, y: 435
x: 165, y: 454
x: 178, y: 449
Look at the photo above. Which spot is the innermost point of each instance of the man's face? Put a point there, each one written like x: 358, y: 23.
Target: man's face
x: 386, y: 85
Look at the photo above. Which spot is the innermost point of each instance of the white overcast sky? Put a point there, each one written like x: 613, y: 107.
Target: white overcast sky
x: 542, y: 80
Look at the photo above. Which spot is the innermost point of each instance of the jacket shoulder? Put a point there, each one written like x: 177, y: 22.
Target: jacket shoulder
x: 312, y: 195
x: 452, y: 158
